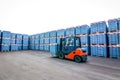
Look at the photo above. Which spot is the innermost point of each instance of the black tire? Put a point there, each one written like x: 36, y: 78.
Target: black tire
x: 61, y: 55
x: 77, y: 59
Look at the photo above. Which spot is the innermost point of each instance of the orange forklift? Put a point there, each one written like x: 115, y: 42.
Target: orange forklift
x: 70, y: 48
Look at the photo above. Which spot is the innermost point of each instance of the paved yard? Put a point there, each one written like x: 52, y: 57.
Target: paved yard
x: 38, y: 65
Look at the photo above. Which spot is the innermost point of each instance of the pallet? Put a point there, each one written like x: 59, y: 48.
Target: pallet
x: 12, y: 50
x: 93, y: 45
x: 114, y: 58
x: 84, y: 44
x: 92, y: 55
x: 101, y: 45
x: 113, y: 32
x: 52, y: 37
x: 70, y: 35
x: 60, y: 36
x: 98, y: 44
x: 114, y: 45
x: 97, y: 33
x: 83, y: 34
x: 99, y: 56
x: 5, y: 51
x: 103, y: 56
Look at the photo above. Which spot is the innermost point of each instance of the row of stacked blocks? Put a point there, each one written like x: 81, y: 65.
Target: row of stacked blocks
x: 99, y: 39
x: 13, y: 42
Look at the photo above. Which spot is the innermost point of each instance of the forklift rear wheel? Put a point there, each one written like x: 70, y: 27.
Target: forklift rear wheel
x: 61, y: 55
x: 78, y: 59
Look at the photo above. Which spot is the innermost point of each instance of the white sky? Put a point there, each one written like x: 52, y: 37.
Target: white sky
x: 36, y: 16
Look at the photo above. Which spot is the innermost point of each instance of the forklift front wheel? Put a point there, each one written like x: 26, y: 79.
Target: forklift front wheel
x: 77, y: 59
x: 61, y: 55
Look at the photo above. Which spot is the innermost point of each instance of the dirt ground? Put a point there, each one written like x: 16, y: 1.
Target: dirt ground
x: 38, y: 65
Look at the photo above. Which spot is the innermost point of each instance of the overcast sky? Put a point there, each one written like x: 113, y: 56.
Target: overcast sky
x: 37, y: 16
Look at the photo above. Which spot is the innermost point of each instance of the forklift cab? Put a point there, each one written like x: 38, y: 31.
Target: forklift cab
x: 69, y: 44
